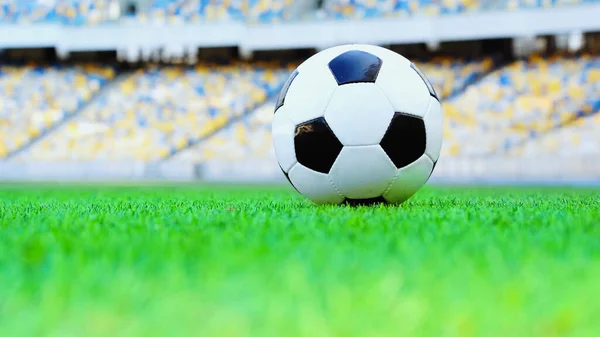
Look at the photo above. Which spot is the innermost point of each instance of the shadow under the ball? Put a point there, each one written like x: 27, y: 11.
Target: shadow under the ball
x: 364, y: 202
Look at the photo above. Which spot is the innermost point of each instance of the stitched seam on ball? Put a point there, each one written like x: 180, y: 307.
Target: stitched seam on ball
x: 432, y: 167
x: 334, y: 187
x: 329, y: 102
x: 402, y: 112
x: 427, y: 110
x: 425, y: 124
x: 391, y: 184
x: 434, y: 162
x: 287, y: 117
x: 293, y: 145
x: 386, y: 98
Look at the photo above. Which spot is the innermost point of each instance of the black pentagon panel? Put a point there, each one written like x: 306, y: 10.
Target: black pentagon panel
x: 365, y: 202
x: 316, y: 145
x: 405, y: 139
x: 284, y: 90
x: 427, y: 83
x: 355, y: 66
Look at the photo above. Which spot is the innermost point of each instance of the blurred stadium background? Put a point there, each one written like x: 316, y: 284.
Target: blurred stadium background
x: 184, y: 89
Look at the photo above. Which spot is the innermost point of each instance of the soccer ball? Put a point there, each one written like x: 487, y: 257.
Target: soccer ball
x: 358, y: 124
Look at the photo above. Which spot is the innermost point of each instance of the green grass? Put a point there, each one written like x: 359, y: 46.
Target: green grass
x: 261, y: 262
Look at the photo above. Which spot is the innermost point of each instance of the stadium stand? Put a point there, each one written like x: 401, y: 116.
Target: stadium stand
x: 247, y: 138
x: 204, y: 10
x: 450, y: 75
x: 364, y: 9
x: 75, y: 116
x: 275, y: 10
x: 156, y: 112
x: 35, y: 98
x: 516, y: 102
x: 578, y: 138
x: 524, y: 4
x: 360, y: 9
x: 72, y: 12
x: 89, y: 12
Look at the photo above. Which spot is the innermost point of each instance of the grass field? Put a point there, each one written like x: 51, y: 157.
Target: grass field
x: 224, y: 261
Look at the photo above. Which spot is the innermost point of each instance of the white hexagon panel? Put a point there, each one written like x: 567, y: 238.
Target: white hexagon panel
x: 434, y: 129
x: 409, y: 180
x: 404, y: 87
x: 283, y: 139
x: 310, y: 87
x: 314, y: 185
x: 362, y: 172
x: 308, y: 96
x: 359, y: 114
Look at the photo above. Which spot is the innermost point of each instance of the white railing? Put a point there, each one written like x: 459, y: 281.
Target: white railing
x: 449, y: 170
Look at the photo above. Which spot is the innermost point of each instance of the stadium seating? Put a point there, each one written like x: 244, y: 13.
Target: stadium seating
x: 155, y: 112
x: 358, y: 9
x: 76, y: 12
x: 158, y: 112
x: 521, y: 100
x: 580, y: 137
x: 205, y: 10
x: 80, y: 12
x: 36, y: 98
x: 449, y: 75
x: 524, y: 4
x: 248, y: 138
